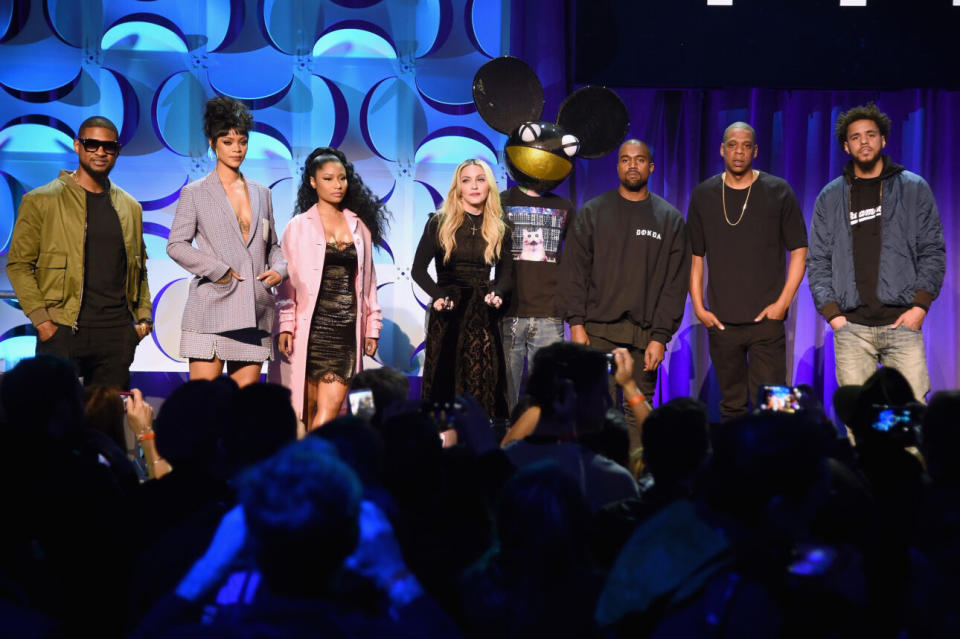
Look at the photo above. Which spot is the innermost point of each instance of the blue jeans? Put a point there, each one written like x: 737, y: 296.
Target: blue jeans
x: 522, y: 338
x: 858, y: 350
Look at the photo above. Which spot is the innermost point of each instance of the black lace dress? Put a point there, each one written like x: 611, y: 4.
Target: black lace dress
x: 464, y: 346
x: 332, y: 349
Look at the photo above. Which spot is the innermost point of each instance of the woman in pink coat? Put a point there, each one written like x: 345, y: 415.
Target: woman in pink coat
x: 328, y: 311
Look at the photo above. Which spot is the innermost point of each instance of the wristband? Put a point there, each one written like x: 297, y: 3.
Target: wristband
x: 636, y: 399
x: 142, y: 437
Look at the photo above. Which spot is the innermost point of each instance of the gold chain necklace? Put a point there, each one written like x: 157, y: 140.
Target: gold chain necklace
x: 723, y: 199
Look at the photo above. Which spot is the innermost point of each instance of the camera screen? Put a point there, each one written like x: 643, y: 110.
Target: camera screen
x: 361, y: 403
x: 780, y: 399
x: 891, y: 418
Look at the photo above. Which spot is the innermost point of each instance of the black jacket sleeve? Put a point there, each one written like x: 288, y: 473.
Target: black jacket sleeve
x: 669, y: 310
x: 426, y: 250
x: 574, y: 269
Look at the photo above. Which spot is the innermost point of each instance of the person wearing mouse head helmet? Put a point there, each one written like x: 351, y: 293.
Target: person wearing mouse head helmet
x: 539, y: 156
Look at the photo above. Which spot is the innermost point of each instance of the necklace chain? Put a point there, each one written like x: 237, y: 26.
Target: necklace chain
x: 723, y: 199
x: 473, y: 227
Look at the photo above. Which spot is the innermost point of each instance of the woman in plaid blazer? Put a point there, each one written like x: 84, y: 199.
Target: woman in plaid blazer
x: 236, y: 261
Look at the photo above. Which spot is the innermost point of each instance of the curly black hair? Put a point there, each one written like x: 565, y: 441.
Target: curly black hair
x: 868, y: 111
x: 359, y: 198
x: 223, y: 115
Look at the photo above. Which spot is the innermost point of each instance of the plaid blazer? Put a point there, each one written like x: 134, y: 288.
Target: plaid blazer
x: 205, y: 239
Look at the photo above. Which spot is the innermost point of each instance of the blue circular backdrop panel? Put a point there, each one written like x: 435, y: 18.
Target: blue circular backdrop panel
x: 389, y: 83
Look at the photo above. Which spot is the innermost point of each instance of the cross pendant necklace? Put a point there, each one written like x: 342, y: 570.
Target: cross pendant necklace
x: 473, y: 227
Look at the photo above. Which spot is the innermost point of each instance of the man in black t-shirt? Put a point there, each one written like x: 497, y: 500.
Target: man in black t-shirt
x: 742, y: 222
x: 77, y: 263
x: 531, y: 320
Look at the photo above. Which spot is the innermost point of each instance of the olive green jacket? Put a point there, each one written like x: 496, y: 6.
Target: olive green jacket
x: 45, y: 262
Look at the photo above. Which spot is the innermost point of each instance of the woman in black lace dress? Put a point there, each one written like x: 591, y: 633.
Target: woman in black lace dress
x: 328, y: 311
x: 465, y: 239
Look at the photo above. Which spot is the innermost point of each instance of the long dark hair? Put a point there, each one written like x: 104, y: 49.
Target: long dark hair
x: 359, y: 198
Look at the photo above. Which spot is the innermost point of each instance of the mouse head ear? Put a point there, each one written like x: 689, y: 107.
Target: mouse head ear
x: 507, y: 94
x: 598, y: 117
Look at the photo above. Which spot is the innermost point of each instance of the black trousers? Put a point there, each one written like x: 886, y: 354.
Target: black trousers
x: 101, y: 356
x: 745, y: 357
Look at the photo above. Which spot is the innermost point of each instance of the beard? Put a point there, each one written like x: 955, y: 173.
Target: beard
x: 634, y: 185
x: 99, y: 175
x: 867, y: 166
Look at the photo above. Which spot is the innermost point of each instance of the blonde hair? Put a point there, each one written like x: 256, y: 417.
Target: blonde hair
x: 451, y: 215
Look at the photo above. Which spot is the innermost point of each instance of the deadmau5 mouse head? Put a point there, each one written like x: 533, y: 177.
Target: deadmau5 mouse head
x: 591, y: 122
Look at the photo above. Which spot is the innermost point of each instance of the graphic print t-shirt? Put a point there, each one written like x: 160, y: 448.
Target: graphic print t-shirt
x: 539, y: 228
x: 866, y: 228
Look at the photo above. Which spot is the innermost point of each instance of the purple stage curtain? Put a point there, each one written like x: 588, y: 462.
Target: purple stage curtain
x: 796, y: 141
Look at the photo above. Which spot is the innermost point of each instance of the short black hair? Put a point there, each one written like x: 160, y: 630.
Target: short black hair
x: 868, y: 111
x: 389, y: 387
x: 582, y: 365
x: 639, y: 142
x: 97, y: 121
x: 42, y: 398
x: 223, y: 115
x: 940, y: 443
x: 676, y: 439
x: 192, y: 420
x: 259, y: 421
x: 742, y: 126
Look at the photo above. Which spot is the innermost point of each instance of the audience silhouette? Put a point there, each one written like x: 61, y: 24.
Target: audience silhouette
x: 415, y: 522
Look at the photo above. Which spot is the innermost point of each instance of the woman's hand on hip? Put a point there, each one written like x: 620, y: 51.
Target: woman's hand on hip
x: 226, y: 278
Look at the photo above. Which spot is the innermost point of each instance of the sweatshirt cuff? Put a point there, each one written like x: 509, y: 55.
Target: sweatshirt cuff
x: 923, y: 299
x: 661, y: 335
x: 830, y: 310
x: 575, y: 320
x: 40, y: 316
